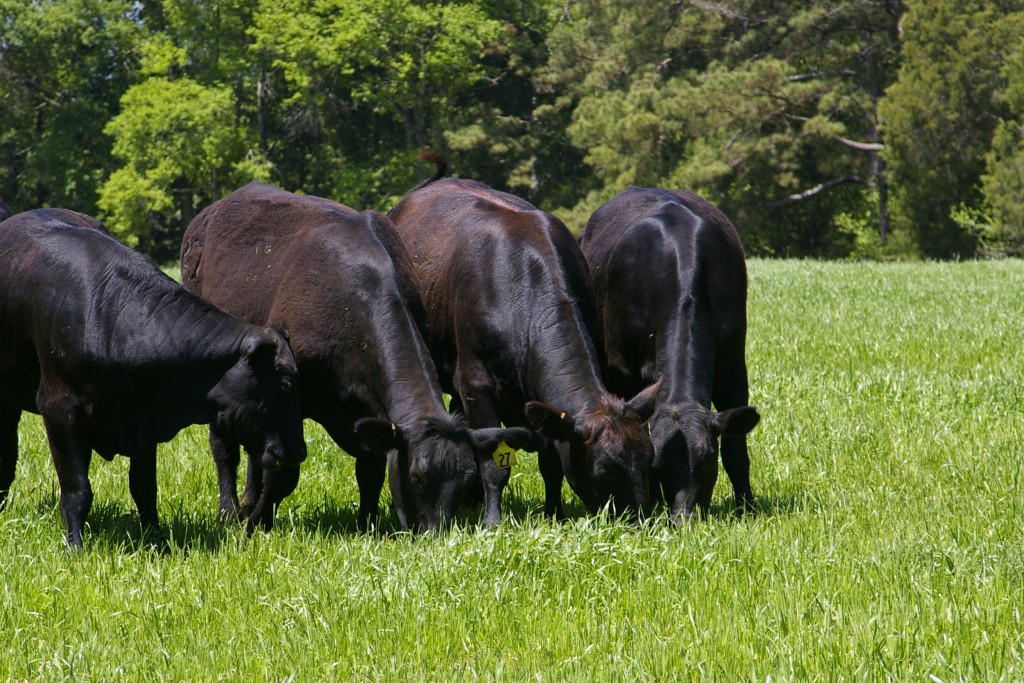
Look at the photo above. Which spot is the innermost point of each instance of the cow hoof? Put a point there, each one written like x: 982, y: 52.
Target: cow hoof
x: 155, y: 539
x: 745, y: 507
x: 685, y: 517
x: 230, y: 516
x: 741, y: 511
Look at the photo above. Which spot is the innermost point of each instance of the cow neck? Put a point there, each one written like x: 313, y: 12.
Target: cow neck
x: 412, y: 396
x: 175, y: 330
x: 685, y: 358
x: 567, y: 375
x: 410, y: 391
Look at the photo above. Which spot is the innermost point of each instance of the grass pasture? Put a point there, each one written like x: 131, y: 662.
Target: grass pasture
x: 888, y: 544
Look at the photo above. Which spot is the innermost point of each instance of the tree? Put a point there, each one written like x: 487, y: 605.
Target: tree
x: 507, y: 133
x: 941, y: 114
x: 181, y: 149
x: 1003, y: 181
x: 63, y: 68
x: 762, y: 106
x: 366, y: 83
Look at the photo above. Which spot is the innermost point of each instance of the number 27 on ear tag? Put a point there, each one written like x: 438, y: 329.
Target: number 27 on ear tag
x: 504, y: 456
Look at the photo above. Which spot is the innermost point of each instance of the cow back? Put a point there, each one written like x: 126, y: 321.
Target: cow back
x: 338, y: 280
x: 95, y: 304
x: 498, y: 275
x: 651, y: 251
x: 84, y: 315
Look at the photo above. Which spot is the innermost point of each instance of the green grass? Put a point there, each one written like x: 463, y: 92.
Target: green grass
x: 888, y: 545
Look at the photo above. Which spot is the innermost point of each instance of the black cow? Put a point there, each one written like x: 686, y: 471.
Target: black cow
x: 671, y: 286
x: 5, y: 212
x: 339, y: 281
x: 509, y: 320
x: 117, y: 357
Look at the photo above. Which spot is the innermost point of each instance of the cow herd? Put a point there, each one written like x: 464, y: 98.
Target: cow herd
x: 604, y: 355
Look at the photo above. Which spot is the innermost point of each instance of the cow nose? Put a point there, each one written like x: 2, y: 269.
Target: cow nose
x: 299, y: 456
x: 274, y: 458
x: 271, y: 462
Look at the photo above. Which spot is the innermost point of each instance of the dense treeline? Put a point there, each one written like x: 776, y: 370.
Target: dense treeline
x: 854, y: 127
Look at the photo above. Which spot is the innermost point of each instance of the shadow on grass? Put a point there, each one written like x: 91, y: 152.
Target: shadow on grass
x: 786, y: 504
x: 775, y: 505
x: 114, y: 527
x: 331, y: 518
x: 117, y: 527
x: 339, y: 517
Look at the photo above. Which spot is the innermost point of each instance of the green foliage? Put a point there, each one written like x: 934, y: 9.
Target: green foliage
x: 397, y: 72
x: 862, y: 231
x: 800, y: 120
x: 181, y: 150
x: 63, y: 68
x: 748, y: 103
x: 889, y: 544
x: 1004, y: 164
x: 941, y: 115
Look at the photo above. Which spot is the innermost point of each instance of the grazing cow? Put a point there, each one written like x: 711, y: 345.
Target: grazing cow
x: 339, y: 281
x: 670, y: 281
x: 117, y: 357
x: 5, y: 212
x: 509, y: 315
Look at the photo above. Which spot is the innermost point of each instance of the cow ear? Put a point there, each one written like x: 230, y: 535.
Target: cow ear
x: 519, y: 438
x: 736, y: 421
x: 643, y: 402
x: 257, y: 345
x: 550, y: 422
x: 284, y: 358
x: 376, y: 436
x: 283, y: 331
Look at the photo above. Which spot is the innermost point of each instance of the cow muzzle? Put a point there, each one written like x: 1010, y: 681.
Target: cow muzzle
x: 274, y: 457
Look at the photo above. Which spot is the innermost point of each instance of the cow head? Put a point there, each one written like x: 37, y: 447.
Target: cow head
x: 686, y: 441
x: 434, y: 462
x: 606, y: 453
x: 257, y: 400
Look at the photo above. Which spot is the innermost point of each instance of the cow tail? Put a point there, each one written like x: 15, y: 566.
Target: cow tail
x: 439, y: 161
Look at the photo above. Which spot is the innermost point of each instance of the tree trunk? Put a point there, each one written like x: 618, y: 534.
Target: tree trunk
x: 261, y: 122
x: 883, y: 200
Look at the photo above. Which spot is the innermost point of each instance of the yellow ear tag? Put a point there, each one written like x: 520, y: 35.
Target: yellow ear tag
x: 504, y: 456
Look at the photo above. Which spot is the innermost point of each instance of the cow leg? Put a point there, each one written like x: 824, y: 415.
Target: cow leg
x: 370, y: 474
x: 475, y: 387
x: 732, y: 392
x: 736, y: 460
x: 71, y: 459
x: 8, y: 450
x: 142, y: 485
x: 551, y: 471
x: 225, y: 459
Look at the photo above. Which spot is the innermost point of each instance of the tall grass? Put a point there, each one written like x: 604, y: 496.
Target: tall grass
x: 888, y: 544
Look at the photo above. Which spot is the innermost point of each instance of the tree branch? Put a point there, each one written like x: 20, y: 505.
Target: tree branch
x: 862, y: 146
x: 852, y: 144
x: 797, y: 78
x: 806, y: 194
